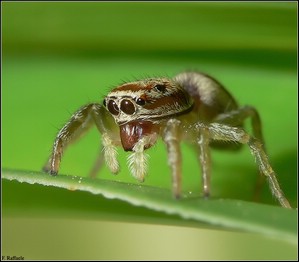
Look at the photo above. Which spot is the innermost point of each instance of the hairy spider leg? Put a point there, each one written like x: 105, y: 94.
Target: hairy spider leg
x: 237, y: 117
x: 223, y: 132
x: 80, y: 122
x: 98, y: 163
x: 171, y: 138
x: 204, y: 157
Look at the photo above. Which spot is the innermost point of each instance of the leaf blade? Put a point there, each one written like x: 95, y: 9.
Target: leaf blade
x: 229, y: 214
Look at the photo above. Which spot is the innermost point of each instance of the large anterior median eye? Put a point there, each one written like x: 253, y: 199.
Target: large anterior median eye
x: 113, y: 108
x: 127, y: 107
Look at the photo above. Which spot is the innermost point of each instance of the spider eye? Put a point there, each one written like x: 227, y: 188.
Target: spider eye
x: 140, y: 101
x: 113, y: 108
x: 160, y: 88
x: 127, y: 107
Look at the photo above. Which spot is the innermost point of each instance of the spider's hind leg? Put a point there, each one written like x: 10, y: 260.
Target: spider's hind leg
x: 228, y: 133
x: 237, y: 118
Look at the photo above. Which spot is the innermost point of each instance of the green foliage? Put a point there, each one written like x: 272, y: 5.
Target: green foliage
x: 60, y: 56
x: 232, y: 214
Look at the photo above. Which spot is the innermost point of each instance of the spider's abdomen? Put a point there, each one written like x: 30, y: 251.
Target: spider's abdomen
x: 210, y: 97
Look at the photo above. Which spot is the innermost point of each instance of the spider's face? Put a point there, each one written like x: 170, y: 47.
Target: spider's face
x: 149, y: 99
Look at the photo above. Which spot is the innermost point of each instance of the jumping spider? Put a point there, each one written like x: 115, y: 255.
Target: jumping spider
x: 190, y: 107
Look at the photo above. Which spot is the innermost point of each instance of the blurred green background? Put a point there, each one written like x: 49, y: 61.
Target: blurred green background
x: 60, y: 56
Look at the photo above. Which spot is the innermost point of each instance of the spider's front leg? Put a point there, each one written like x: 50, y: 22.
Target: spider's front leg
x: 227, y: 133
x: 79, y: 123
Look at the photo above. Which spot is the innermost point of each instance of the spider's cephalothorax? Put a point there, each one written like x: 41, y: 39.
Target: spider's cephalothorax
x: 191, y: 107
x: 139, y: 107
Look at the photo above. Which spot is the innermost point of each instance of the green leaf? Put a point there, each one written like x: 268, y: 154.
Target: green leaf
x: 59, y: 56
x: 230, y: 214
